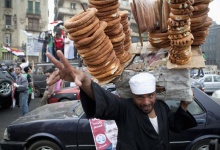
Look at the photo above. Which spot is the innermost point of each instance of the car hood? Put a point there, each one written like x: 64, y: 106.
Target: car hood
x: 47, y: 112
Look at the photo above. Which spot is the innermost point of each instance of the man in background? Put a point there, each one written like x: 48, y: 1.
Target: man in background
x: 27, y: 71
x: 24, y: 64
x: 58, y: 45
x: 111, y: 132
x: 22, y: 88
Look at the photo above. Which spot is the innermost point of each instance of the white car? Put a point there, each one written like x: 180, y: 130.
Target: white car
x: 211, y: 82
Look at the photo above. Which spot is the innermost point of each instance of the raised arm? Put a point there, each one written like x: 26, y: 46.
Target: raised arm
x: 69, y: 73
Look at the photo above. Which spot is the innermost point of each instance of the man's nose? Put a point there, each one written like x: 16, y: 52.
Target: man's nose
x: 146, y: 101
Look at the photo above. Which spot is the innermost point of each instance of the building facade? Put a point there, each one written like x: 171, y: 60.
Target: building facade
x: 212, y: 46
x: 17, y: 16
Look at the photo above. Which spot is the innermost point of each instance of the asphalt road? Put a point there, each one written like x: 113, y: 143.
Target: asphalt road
x: 9, y: 115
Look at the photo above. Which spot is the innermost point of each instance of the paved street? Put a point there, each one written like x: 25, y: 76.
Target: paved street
x: 9, y: 115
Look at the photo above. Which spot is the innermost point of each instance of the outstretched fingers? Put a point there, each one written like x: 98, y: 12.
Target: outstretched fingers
x: 54, y: 61
x: 64, y: 61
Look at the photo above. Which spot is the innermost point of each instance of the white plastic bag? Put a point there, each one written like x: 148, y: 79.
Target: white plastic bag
x: 32, y: 95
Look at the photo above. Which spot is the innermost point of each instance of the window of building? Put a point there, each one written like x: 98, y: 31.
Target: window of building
x: 37, y: 7
x: 7, y: 19
x: 72, y: 5
x: 7, y: 39
x: 7, y: 3
x: 33, y: 24
x: 85, y: 5
x: 124, y: 2
x: 30, y: 6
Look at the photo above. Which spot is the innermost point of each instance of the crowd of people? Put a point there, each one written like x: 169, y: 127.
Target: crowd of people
x: 61, y: 43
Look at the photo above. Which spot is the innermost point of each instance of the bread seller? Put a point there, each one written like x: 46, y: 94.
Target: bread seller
x: 143, y: 123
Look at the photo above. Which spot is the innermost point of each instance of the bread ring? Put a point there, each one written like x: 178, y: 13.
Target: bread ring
x: 103, y: 6
x: 179, y: 17
x: 90, y: 52
x: 86, y: 29
x: 176, y: 1
x: 80, y: 19
x: 95, y: 72
x: 115, y: 32
x: 174, y: 23
x: 100, y: 37
x: 182, y: 5
x: 184, y: 11
x: 115, y: 63
x: 70, y: 30
x: 200, y: 13
x: 114, y: 68
x: 180, y: 30
x: 178, y: 36
x: 206, y: 1
x: 95, y: 35
x: 101, y: 52
x: 200, y: 33
x: 114, y: 22
x: 106, y: 13
x: 84, y: 35
x: 125, y: 57
x: 199, y: 19
x: 98, y: 68
x: 188, y: 40
x: 185, y: 55
x: 108, y: 57
x: 118, y: 39
x: 124, y: 13
x: 200, y: 7
x: 179, y: 61
x: 101, y: 2
x: 112, y: 28
x: 109, y: 8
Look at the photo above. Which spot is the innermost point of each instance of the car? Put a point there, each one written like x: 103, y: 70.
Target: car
x: 65, y: 94
x: 6, y: 89
x: 72, y: 93
x: 64, y: 126
x: 211, y: 82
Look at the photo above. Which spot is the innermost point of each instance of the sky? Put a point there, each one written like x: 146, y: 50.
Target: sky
x: 214, y: 12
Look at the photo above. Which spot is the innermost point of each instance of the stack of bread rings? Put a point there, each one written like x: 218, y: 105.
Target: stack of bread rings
x: 126, y: 28
x: 200, y: 21
x: 158, y: 39
x: 180, y: 34
x: 93, y: 45
x: 108, y: 12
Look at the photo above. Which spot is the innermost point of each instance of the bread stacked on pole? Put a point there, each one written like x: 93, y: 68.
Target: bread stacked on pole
x: 108, y: 12
x: 93, y: 45
x: 179, y: 30
x: 200, y: 21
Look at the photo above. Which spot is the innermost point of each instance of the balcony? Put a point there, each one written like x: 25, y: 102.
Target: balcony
x: 33, y: 28
x: 33, y: 13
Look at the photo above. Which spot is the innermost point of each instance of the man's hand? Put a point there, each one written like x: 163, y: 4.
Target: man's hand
x: 184, y: 104
x: 16, y: 85
x: 65, y: 71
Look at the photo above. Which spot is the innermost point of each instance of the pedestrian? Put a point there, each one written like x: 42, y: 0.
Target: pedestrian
x: 50, y: 44
x: 4, y: 67
x: 58, y: 45
x: 75, y: 53
x: 24, y: 64
x: 71, y: 51
x: 22, y: 88
x: 27, y: 71
x: 200, y: 69
x: 49, y: 89
x: 12, y: 73
x: 66, y: 46
x: 143, y: 122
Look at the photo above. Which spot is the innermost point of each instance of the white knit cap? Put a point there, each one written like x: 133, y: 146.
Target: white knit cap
x: 142, y: 83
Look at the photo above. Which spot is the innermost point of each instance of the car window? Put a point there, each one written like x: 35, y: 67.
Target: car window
x: 193, y: 107
x: 216, y: 78
x: 208, y: 79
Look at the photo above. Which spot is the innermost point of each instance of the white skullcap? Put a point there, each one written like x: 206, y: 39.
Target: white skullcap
x: 142, y: 83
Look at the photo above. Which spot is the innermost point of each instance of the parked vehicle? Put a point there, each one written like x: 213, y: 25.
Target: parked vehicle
x: 62, y: 126
x: 6, y: 89
x: 211, y: 82
x: 65, y: 94
x: 72, y: 93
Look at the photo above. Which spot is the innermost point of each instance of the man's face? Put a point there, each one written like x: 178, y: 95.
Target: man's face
x: 145, y: 102
x: 111, y: 131
x: 17, y: 70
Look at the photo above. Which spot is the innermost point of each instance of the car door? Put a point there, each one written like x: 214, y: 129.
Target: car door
x: 181, y: 140
x: 216, y: 83
x: 208, y: 84
x: 84, y: 135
